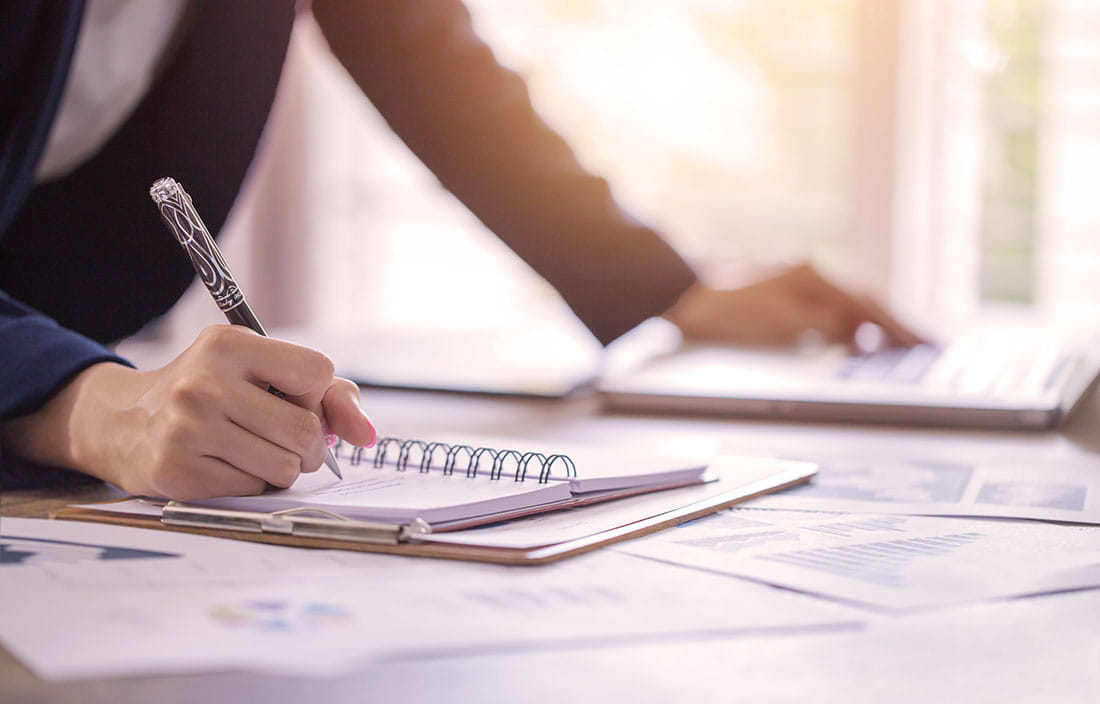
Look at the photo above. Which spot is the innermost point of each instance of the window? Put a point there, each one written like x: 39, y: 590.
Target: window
x: 999, y: 148
x: 944, y: 154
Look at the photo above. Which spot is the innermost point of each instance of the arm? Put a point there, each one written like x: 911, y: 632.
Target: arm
x: 779, y: 309
x: 203, y: 425
x: 472, y: 123
x: 39, y: 357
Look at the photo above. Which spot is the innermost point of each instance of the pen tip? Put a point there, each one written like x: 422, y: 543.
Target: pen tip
x: 332, y: 464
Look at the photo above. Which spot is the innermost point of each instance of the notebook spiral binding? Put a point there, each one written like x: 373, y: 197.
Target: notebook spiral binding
x: 464, y: 458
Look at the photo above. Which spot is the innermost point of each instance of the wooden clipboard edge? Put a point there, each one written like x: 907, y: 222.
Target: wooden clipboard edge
x: 473, y: 553
x: 454, y: 552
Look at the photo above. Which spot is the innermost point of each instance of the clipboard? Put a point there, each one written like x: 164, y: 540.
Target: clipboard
x: 321, y: 529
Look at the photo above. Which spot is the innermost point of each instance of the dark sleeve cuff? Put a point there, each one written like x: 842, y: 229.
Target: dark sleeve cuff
x: 39, y: 357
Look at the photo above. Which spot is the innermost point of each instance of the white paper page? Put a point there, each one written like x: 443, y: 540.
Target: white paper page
x: 749, y: 474
x: 1025, y: 651
x: 891, y: 562
x: 386, y: 494
x: 209, y: 604
x: 598, y: 467
x: 1002, y: 488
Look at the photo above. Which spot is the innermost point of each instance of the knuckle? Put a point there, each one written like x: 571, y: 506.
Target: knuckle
x: 285, y: 471
x: 195, y: 389
x: 216, y: 338
x: 312, y: 460
x: 346, y: 386
x: 321, y: 367
x: 306, y: 431
x: 252, y: 486
x: 170, y: 481
x: 177, y: 432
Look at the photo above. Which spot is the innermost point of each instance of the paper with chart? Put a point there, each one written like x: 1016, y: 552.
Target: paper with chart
x: 148, y: 601
x: 736, y: 477
x: 886, y: 561
x: 997, y: 488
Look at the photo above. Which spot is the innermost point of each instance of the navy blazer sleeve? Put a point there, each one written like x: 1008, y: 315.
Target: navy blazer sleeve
x: 39, y: 357
x: 68, y: 248
x: 472, y: 123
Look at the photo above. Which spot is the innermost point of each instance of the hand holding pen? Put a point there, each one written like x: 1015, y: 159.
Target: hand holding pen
x: 286, y: 422
x: 203, y: 425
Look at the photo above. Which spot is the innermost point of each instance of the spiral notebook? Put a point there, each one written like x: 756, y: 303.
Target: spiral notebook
x: 440, y: 486
x: 389, y: 492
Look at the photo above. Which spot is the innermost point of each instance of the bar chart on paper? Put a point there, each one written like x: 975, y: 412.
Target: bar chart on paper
x: 16, y: 550
x: 884, y: 561
x: 880, y: 563
x: 891, y: 480
x: 242, y: 605
x: 1004, y: 488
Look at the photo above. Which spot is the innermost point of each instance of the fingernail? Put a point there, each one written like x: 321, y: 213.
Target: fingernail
x: 331, y: 438
x: 373, y: 430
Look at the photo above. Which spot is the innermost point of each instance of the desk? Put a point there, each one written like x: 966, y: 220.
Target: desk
x: 1043, y: 649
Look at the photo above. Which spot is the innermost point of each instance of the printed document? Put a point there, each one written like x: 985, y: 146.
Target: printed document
x: 90, y: 600
x: 1001, y: 488
x: 885, y: 561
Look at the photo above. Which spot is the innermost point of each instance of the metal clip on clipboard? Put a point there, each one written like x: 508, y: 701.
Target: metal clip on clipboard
x: 295, y: 521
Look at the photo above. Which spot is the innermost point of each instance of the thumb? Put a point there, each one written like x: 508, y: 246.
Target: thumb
x: 343, y: 415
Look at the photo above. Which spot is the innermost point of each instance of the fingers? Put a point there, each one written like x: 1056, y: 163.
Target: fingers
x: 206, y: 425
x: 274, y: 439
x: 836, y: 324
x: 894, y: 329
x: 845, y: 311
x: 202, y: 477
x: 274, y: 423
x: 306, y: 377
x: 293, y: 369
x: 780, y: 310
x: 345, y: 417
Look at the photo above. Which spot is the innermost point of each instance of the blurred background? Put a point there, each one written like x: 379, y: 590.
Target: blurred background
x: 943, y: 155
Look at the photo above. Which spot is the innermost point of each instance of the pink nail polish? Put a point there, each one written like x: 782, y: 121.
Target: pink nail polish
x: 373, y: 429
x: 331, y: 438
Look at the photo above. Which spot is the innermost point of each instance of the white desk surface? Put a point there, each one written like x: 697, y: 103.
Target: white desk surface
x: 1044, y: 649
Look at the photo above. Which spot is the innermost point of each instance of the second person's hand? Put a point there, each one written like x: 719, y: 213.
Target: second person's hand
x: 780, y: 310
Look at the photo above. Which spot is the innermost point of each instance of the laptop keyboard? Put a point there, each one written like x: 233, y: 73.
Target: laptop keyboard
x: 981, y: 365
x: 902, y: 366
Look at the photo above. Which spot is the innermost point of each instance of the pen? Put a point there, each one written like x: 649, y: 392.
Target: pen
x: 183, y: 220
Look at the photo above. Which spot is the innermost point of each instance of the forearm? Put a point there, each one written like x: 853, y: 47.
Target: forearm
x: 203, y: 425
x: 62, y: 432
x: 472, y: 123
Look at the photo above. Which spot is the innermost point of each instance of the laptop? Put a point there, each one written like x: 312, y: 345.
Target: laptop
x: 994, y: 376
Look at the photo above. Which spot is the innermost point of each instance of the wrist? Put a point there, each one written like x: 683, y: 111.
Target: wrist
x: 685, y: 313
x: 69, y: 430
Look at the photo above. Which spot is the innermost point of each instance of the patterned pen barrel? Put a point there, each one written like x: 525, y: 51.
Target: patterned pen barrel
x: 183, y: 220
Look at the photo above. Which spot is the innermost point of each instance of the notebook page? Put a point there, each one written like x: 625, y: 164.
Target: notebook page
x: 597, y: 468
x: 386, y: 494
x: 600, y: 469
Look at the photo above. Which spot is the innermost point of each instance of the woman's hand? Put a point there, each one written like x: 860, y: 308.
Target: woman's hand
x: 780, y: 310
x: 204, y: 425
